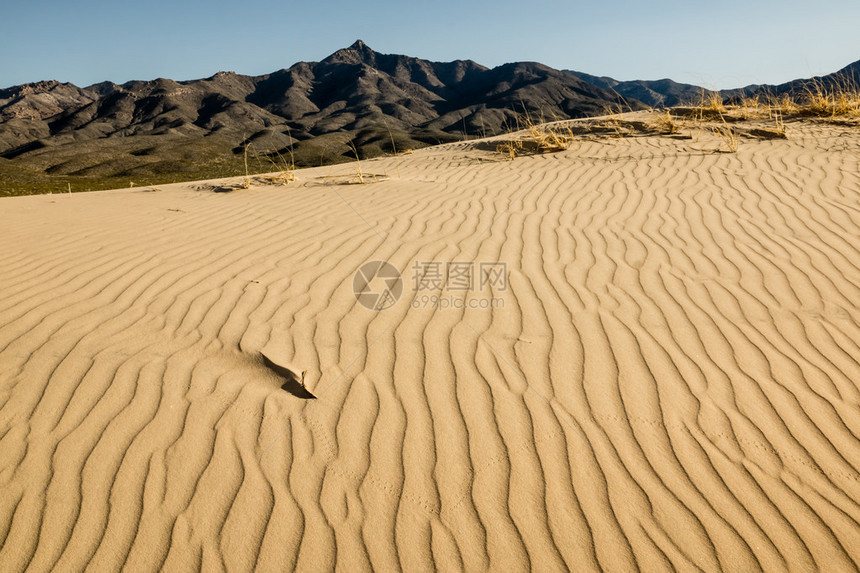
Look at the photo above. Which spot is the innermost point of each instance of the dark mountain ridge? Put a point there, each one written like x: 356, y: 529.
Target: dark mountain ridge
x: 379, y: 102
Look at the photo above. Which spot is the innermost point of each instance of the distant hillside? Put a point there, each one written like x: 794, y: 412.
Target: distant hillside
x: 849, y: 76
x: 106, y: 134
x: 668, y: 93
x: 656, y: 93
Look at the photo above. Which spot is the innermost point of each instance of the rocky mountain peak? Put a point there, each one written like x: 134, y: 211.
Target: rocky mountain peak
x: 357, y: 53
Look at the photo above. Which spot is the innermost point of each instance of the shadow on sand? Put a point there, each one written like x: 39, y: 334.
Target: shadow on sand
x: 293, y: 383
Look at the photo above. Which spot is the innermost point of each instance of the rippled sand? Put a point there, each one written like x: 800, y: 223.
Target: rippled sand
x: 670, y: 378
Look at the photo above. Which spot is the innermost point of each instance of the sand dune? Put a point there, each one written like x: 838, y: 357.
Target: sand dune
x: 669, y: 380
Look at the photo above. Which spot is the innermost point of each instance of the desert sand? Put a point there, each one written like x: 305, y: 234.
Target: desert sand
x: 669, y: 380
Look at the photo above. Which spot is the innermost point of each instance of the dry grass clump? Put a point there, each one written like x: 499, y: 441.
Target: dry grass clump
x: 666, y: 124
x: 780, y: 124
x: 712, y: 102
x: 511, y: 148
x: 839, y: 100
x: 749, y: 107
x: 286, y: 170
x: 246, y: 183
x: 729, y: 136
x: 709, y: 107
x: 359, y: 176
x: 548, y: 138
x: 538, y: 138
x: 775, y: 131
x: 834, y: 99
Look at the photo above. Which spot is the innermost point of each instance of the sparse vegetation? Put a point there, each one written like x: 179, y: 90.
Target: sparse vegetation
x: 712, y: 102
x: 836, y: 99
x: 841, y: 100
x: 391, y: 137
x: 728, y: 135
x: 286, y: 170
x: 780, y: 124
x: 510, y: 148
x: 358, y: 173
x: 730, y: 120
x: 666, y: 124
x: 549, y: 139
x: 538, y: 138
x: 246, y: 184
x: 359, y: 177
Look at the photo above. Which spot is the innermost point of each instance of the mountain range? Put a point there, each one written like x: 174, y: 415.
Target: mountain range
x: 356, y: 101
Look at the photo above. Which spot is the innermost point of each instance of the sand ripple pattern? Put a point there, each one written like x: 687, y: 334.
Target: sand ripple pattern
x: 672, y: 383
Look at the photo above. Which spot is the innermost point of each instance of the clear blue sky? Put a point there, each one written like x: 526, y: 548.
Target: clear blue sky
x: 718, y: 43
